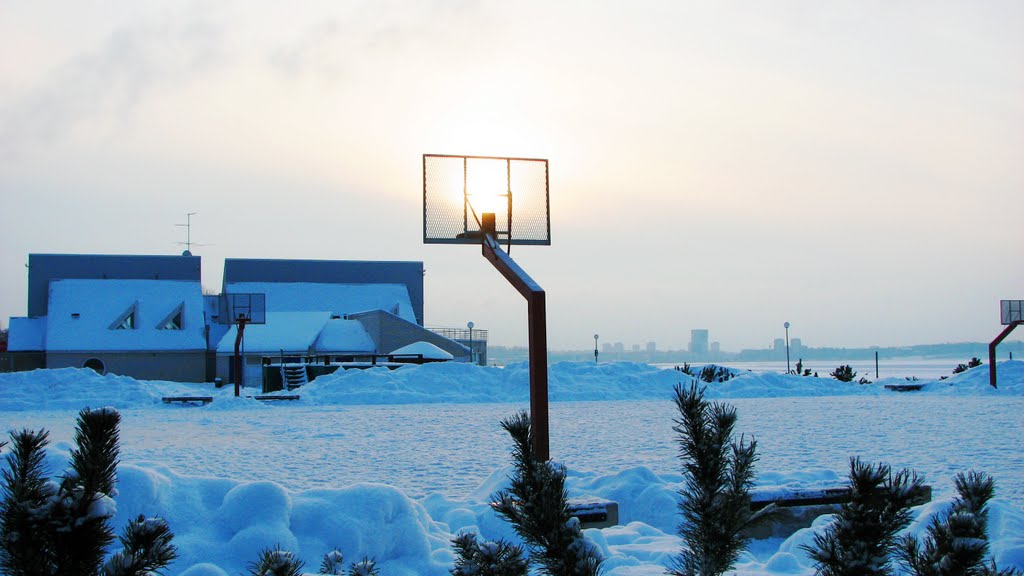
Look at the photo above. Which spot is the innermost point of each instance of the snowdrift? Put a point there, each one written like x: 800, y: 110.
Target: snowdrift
x: 459, y: 383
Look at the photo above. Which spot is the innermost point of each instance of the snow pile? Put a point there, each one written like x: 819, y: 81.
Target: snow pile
x: 73, y: 389
x: 455, y: 383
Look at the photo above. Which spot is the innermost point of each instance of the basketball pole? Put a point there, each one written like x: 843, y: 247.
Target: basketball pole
x: 238, y: 356
x: 992, y: 351
x: 536, y: 306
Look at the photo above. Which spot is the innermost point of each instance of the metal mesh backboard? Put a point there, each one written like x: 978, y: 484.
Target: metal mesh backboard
x: 1011, y: 311
x: 251, y: 306
x: 457, y: 190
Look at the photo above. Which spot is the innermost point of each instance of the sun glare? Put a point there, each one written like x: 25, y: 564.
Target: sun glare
x: 487, y: 186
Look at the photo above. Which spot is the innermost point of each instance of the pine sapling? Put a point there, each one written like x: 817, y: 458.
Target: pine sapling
x: 718, y: 474
x: 62, y: 527
x: 276, y: 562
x: 85, y: 496
x: 956, y: 542
x: 24, y: 502
x: 333, y: 563
x: 863, y: 535
x: 364, y: 567
x: 536, y: 504
x: 475, y: 558
x: 146, y: 549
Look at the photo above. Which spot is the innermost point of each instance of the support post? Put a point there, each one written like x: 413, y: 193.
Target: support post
x: 536, y: 305
x: 992, y: 352
x: 239, y: 374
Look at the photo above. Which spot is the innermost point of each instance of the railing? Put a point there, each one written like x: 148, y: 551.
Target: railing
x: 461, y: 334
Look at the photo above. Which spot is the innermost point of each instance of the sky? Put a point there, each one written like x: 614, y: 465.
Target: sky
x: 853, y: 168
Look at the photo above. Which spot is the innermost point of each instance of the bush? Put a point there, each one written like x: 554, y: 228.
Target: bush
x: 718, y: 474
x: 863, y: 535
x: 536, y: 506
x: 62, y: 527
x: 972, y: 363
x: 844, y: 374
x: 712, y: 373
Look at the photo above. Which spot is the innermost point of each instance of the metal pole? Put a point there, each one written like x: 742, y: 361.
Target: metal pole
x: 595, y: 348
x: 786, y: 325
x: 876, y: 364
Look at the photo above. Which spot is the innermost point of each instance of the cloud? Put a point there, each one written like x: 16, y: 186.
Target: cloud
x: 109, y: 79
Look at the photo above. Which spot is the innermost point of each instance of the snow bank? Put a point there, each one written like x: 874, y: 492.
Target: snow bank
x: 461, y: 383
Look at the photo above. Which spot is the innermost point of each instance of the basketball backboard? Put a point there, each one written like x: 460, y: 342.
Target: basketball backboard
x: 250, y: 306
x: 1011, y: 312
x: 458, y: 190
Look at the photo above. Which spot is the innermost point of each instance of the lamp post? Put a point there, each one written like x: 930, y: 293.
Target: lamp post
x: 595, y: 348
x: 786, y: 325
x: 472, y: 351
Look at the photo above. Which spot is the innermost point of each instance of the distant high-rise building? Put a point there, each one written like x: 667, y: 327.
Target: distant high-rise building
x: 606, y: 347
x: 780, y: 345
x: 716, y: 348
x: 699, y: 341
x: 636, y: 347
x: 652, y: 347
x: 796, y: 346
x: 619, y: 347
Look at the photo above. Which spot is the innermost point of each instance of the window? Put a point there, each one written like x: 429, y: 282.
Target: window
x: 95, y: 364
x: 126, y: 321
x: 175, y: 320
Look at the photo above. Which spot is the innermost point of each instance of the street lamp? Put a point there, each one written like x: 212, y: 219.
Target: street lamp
x: 595, y: 348
x: 472, y: 352
x: 786, y: 325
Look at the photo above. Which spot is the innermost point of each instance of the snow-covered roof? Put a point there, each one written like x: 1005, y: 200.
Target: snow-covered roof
x: 344, y: 336
x: 290, y: 332
x: 26, y: 335
x: 339, y: 299
x: 426, y: 349
x: 83, y: 314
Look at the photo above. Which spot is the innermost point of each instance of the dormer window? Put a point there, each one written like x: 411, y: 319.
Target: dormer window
x: 126, y: 321
x: 174, y: 320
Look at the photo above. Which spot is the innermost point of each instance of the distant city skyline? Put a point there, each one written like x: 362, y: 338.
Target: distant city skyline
x: 849, y: 167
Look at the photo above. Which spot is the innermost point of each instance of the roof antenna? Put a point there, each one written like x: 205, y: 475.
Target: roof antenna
x: 188, y: 243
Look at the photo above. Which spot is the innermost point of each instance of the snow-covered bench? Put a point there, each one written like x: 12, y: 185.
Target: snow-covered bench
x: 187, y: 399
x: 798, y: 507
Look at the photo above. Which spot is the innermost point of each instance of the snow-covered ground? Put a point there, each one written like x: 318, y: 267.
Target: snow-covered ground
x: 392, y: 464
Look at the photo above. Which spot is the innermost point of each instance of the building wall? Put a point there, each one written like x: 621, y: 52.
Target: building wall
x: 174, y: 366
x: 22, y: 361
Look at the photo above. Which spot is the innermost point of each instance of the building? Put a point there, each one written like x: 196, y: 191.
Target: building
x: 652, y: 347
x: 698, y: 342
x: 147, y: 317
